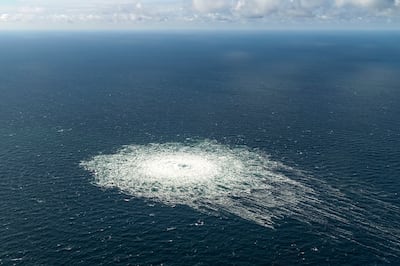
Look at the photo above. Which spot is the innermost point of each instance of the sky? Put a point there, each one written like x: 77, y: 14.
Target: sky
x: 199, y: 14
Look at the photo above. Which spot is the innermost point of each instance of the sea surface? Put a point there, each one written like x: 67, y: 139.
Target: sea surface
x: 325, y: 105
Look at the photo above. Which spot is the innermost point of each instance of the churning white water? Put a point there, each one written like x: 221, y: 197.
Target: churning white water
x: 206, y: 176
x: 217, y: 179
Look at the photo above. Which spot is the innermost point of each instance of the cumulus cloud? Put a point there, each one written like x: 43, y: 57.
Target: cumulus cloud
x: 256, y: 8
x: 211, y: 5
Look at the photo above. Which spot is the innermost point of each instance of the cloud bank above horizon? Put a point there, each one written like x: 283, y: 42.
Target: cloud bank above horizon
x: 136, y: 14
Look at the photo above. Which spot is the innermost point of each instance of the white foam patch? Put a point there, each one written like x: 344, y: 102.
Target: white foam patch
x: 217, y: 179
x: 206, y: 176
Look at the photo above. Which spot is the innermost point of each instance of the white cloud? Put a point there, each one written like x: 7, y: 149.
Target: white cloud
x: 4, y: 17
x: 211, y: 5
x: 257, y: 8
x: 191, y: 13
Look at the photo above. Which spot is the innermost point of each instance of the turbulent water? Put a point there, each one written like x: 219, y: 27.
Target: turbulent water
x: 206, y: 176
x: 187, y: 148
x: 217, y: 179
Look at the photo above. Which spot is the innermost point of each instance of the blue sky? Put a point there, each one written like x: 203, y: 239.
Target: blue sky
x: 208, y: 14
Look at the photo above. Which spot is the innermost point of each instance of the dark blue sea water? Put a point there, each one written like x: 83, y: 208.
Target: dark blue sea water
x: 326, y: 104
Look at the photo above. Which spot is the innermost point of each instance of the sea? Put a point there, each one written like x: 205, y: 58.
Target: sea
x: 200, y: 148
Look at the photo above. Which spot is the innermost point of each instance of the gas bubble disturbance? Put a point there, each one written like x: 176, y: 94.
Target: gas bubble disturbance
x: 217, y: 179
x: 204, y: 175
